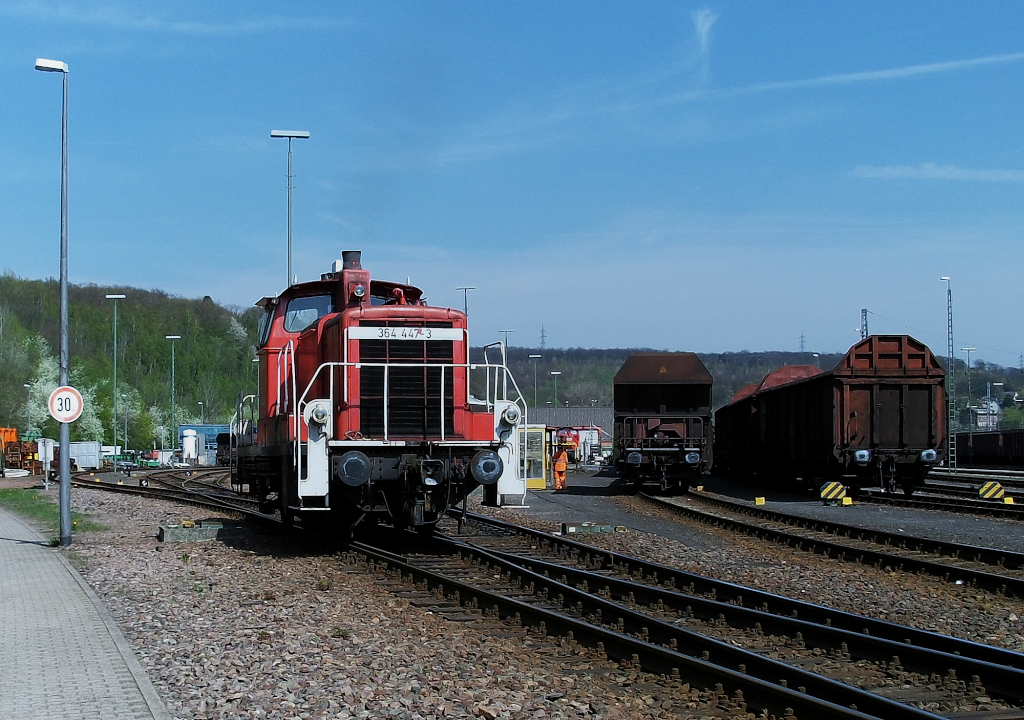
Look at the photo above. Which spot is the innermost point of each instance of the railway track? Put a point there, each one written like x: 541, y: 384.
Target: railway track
x: 737, y: 649
x: 1000, y: 571
x: 964, y: 501
x: 746, y: 648
x: 208, y: 498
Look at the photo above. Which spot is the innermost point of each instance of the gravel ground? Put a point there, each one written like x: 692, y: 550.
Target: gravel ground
x: 260, y: 627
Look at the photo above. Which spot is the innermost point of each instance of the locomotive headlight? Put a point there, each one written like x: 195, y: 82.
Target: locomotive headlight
x: 486, y: 467
x: 929, y: 456
x: 862, y: 456
x: 634, y: 458
x: 319, y: 415
x: 693, y: 458
x: 359, y: 291
x: 511, y: 415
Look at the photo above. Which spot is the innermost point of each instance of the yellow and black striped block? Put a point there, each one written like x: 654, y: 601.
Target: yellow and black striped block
x: 991, y: 490
x: 833, y: 491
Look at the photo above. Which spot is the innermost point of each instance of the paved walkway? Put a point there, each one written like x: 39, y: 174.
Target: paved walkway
x: 62, y: 656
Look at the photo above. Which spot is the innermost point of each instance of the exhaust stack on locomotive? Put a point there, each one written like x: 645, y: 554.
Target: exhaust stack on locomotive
x: 366, y: 407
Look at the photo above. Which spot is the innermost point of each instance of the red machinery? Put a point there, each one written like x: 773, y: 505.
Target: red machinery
x: 365, y: 406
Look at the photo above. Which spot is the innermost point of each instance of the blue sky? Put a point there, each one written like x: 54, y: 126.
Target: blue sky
x: 708, y: 177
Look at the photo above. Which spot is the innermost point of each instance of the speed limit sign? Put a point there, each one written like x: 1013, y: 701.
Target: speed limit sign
x: 65, y: 404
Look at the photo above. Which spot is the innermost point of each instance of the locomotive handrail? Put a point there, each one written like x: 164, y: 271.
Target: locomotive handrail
x: 282, y: 354
x: 301, y: 400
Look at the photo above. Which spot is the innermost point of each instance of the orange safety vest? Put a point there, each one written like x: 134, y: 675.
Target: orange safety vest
x: 561, y: 461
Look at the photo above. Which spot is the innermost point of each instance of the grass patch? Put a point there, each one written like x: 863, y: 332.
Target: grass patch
x: 40, y: 509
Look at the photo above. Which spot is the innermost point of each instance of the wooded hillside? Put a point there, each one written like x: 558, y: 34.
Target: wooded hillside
x: 213, y: 362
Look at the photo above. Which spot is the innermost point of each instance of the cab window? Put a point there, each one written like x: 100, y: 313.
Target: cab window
x: 265, y: 323
x: 304, y: 311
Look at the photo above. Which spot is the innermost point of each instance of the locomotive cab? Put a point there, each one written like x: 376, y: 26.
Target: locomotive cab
x: 364, y: 406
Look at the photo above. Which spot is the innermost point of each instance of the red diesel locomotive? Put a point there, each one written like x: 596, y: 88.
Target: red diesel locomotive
x: 365, y: 407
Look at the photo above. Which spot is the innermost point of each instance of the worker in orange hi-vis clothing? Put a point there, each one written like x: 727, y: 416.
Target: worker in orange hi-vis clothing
x: 560, y: 462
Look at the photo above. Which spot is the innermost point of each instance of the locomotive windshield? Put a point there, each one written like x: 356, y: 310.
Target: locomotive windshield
x: 304, y: 311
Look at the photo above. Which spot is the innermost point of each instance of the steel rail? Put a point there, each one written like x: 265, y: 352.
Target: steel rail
x: 852, y: 553
x: 998, y: 679
x: 738, y: 595
x: 961, y: 505
x: 183, y: 496
x: 733, y: 667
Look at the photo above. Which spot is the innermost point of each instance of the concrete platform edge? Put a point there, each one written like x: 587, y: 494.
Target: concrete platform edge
x: 145, y: 685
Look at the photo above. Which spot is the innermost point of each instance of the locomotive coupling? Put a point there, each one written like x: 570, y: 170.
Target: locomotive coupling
x: 431, y: 471
x: 634, y: 458
x: 486, y: 467
x: 929, y: 456
x: 862, y: 456
x: 693, y: 458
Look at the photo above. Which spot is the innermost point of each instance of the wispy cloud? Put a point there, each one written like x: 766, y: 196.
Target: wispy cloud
x: 703, y: 21
x: 931, y: 171
x: 867, y: 76
x: 114, y: 17
x: 888, y: 74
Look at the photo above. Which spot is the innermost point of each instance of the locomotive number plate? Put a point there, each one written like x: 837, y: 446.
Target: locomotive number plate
x: 404, y: 333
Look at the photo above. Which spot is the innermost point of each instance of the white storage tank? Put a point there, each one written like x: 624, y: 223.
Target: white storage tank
x: 189, y: 446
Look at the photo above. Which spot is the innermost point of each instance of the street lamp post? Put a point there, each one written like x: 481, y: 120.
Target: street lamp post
x: 535, y: 358
x: 172, y: 338
x: 45, y: 65
x: 555, y: 374
x: 115, y: 298
x: 465, y: 298
x: 291, y: 135
x: 970, y: 412
x: 506, y: 336
x: 202, y: 413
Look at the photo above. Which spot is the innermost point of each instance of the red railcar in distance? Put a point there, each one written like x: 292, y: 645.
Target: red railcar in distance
x: 877, y: 419
x: 365, y: 407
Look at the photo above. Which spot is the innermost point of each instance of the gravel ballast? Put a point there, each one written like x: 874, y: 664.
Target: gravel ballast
x: 262, y: 627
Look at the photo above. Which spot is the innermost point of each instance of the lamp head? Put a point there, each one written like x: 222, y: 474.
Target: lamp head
x: 116, y: 297
x: 289, y: 134
x: 51, y: 65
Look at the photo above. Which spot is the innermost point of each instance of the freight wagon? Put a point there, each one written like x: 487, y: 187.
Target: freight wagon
x: 877, y: 419
x: 662, y: 425
x: 1003, y: 448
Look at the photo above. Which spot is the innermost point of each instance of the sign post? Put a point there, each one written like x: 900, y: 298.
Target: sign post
x: 65, y: 407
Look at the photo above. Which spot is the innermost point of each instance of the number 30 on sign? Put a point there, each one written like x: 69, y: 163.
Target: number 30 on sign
x: 65, y: 404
